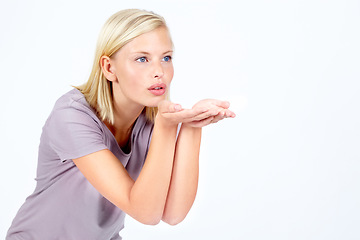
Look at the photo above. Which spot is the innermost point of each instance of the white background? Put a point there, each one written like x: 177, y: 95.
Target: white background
x: 288, y: 166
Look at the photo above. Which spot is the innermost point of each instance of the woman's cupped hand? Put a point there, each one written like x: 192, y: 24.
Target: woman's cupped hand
x: 203, y: 113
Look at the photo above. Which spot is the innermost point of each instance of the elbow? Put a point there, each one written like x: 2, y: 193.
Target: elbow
x: 148, y: 220
x: 172, y: 220
x: 153, y: 222
x: 155, y: 218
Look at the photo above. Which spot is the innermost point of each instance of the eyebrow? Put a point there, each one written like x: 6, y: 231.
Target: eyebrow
x: 147, y: 53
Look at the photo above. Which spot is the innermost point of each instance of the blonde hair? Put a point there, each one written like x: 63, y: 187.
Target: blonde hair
x: 118, y: 30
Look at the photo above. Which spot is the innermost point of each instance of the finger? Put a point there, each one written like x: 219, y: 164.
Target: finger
x: 219, y: 103
x: 218, y: 117
x: 176, y: 107
x: 184, y: 115
x: 168, y: 107
x: 201, y: 123
x: 229, y: 114
x: 207, y: 114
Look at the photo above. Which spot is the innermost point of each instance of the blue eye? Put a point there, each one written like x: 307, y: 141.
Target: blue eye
x: 142, y: 59
x: 167, y: 58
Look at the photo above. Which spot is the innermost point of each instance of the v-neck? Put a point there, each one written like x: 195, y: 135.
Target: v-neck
x: 118, y: 148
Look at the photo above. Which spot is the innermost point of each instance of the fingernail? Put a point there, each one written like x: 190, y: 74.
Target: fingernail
x: 177, y: 107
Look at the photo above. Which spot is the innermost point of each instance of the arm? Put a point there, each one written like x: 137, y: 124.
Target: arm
x: 184, y: 179
x: 149, y: 192
x: 143, y: 199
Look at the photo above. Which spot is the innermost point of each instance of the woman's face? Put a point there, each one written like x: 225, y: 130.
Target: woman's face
x: 143, y: 69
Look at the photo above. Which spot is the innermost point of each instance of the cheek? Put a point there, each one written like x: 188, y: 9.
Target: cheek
x: 131, y: 75
x: 170, y: 72
x: 130, y: 71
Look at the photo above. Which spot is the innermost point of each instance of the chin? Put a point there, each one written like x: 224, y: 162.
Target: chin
x: 152, y: 105
x: 155, y: 102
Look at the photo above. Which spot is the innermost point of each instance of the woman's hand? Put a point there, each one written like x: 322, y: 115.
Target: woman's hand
x: 172, y: 114
x: 201, y: 114
x: 217, y: 110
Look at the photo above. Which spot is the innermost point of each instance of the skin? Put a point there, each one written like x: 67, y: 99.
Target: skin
x: 167, y: 184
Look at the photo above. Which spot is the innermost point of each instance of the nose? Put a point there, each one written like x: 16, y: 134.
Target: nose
x: 158, y: 71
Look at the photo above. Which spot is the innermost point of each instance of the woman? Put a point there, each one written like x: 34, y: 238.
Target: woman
x: 112, y: 145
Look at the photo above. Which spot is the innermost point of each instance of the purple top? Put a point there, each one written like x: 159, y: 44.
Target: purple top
x: 64, y: 204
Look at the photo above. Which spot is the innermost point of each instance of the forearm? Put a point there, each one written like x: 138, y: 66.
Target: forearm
x: 167, y: 184
x: 148, y: 194
x: 184, y: 179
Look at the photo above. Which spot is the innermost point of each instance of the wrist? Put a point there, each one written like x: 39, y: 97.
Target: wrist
x: 189, y: 128
x: 165, y: 123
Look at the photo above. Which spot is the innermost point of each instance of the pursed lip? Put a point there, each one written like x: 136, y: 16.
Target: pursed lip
x: 157, y: 86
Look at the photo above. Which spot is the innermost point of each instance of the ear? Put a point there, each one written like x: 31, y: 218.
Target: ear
x: 107, y: 68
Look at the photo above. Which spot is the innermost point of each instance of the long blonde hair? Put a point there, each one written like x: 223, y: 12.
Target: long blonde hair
x: 118, y: 30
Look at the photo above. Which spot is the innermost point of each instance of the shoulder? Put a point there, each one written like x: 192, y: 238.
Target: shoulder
x: 73, y: 128
x: 72, y: 112
x: 73, y: 105
x: 72, y: 99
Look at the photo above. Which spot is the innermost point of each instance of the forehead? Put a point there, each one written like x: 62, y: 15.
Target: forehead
x: 153, y: 41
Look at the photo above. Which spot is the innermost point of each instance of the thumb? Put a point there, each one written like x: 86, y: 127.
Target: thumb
x: 166, y: 106
x: 223, y: 104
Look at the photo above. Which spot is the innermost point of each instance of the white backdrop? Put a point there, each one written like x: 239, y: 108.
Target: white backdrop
x: 288, y: 167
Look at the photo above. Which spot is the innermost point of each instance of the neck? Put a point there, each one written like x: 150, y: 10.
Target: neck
x: 124, y: 119
x: 125, y: 114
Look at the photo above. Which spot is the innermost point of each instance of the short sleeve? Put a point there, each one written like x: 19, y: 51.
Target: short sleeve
x: 74, y: 133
